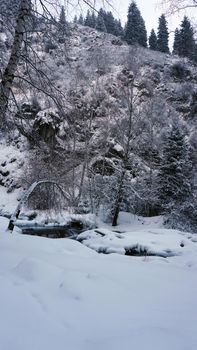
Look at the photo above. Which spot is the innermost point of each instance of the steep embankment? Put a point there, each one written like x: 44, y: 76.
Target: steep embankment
x: 91, y: 73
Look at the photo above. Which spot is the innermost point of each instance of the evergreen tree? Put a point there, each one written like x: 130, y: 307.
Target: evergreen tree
x: 93, y: 20
x: 195, y: 53
x: 63, y: 25
x: 187, y: 43
x: 88, y: 20
x: 135, y: 30
x: 100, y: 25
x: 118, y: 28
x: 81, y: 20
x: 142, y: 33
x: 109, y: 22
x: 174, y: 171
x: 75, y: 20
x: 152, y: 40
x: 163, y: 35
x: 177, y: 42
x: 62, y: 18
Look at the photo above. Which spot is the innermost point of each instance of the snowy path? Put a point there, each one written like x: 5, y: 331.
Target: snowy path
x: 59, y: 294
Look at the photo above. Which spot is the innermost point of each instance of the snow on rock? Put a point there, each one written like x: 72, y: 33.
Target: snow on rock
x: 8, y: 203
x: 52, y: 218
x: 118, y: 148
x: 158, y: 242
x: 11, y: 165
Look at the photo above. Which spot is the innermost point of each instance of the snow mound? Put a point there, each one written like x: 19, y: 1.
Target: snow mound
x: 59, y: 293
x: 158, y: 242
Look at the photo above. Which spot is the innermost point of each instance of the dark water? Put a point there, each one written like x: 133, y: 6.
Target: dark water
x: 69, y: 231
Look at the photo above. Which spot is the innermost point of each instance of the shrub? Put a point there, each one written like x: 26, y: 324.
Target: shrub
x: 50, y: 46
x: 180, y: 71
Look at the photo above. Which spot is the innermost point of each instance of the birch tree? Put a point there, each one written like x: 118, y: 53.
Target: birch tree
x: 9, y: 72
x: 45, y: 9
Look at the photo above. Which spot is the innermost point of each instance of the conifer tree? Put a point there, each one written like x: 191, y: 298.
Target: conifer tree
x: 75, y: 20
x: 88, y: 20
x: 195, y: 53
x: 153, y: 40
x: 93, y: 20
x: 109, y: 22
x: 135, y: 31
x: 100, y: 25
x: 163, y: 35
x: 174, y: 171
x: 63, y: 24
x: 177, y: 42
x: 118, y: 28
x: 187, y: 43
x: 81, y: 20
x: 62, y: 18
x: 142, y: 33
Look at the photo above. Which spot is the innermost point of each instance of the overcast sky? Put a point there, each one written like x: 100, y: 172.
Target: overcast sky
x: 150, y: 11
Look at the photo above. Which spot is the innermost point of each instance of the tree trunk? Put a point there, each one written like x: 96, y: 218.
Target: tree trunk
x: 118, y: 199
x: 9, y: 72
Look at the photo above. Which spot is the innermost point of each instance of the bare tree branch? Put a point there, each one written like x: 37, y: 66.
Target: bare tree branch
x: 173, y: 6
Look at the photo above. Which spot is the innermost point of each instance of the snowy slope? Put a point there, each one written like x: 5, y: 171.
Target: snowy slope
x: 59, y: 294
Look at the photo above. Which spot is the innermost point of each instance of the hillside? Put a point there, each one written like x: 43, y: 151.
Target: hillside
x: 94, y: 78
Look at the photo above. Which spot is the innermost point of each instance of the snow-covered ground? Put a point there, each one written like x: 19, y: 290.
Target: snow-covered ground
x: 60, y: 294
x: 143, y: 236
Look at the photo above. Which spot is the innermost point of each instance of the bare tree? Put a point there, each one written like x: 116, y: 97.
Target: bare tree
x: 45, y: 9
x: 129, y: 97
x: 20, y: 51
x: 9, y: 72
x: 173, y: 6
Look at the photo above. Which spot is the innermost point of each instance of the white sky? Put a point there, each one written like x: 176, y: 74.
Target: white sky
x: 150, y: 10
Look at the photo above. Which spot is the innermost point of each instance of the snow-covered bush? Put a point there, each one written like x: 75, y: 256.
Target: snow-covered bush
x: 180, y: 70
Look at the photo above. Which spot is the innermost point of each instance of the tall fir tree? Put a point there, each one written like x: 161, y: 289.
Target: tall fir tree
x: 93, y: 20
x: 81, y: 20
x: 175, y: 169
x: 135, y: 30
x: 75, y: 20
x: 100, y: 25
x: 187, y: 43
x: 109, y: 22
x: 163, y: 35
x: 88, y: 20
x: 177, y: 42
x: 195, y: 53
x: 62, y: 18
x: 142, y: 33
x: 63, y: 24
x: 118, y: 28
x: 153, y: 40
